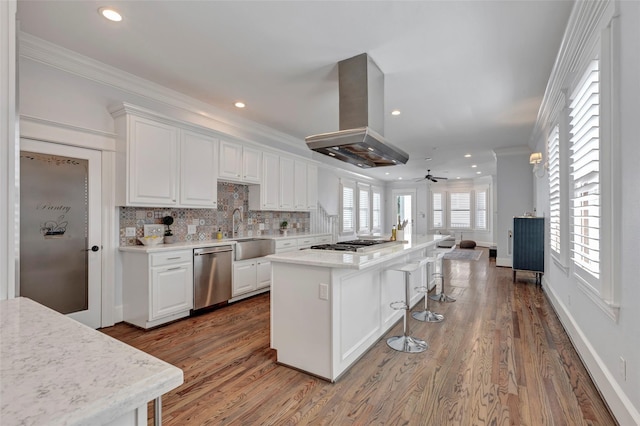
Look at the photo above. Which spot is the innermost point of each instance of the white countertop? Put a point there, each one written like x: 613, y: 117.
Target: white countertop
x: 187, y: 245
x: 351, y: 260
x: 56, y: 371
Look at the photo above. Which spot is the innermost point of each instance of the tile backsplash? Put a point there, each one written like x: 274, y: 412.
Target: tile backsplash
x: 208, y: 221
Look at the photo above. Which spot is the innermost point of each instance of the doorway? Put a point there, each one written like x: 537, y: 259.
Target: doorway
x: 404, y: 208
x: 60, y: 229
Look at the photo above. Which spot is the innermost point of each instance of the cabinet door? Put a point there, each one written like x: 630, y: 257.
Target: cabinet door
x: 263, y: 272
x: 198, y: 170
x: 152, y: 163
x: 171, y: 290
x: 251, y: 165
x: 286, y: 183
x: 312, y: 186
x: 270, y: 188
x: 300, y: 185
x: 244, y: 277
x: 230, y: 164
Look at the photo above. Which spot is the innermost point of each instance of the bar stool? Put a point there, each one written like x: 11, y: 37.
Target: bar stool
x: 442, y: 296
x: 406, y: 343
x: 427, y: 315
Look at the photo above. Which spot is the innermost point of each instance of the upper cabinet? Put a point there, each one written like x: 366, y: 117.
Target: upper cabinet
x: 238, y: 163
x: 198, y: 172
x: 287, y: 183
x: 159, y: 164
x: 312, y: 186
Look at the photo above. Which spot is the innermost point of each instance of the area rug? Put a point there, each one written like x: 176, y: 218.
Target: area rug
x: 459, y: 254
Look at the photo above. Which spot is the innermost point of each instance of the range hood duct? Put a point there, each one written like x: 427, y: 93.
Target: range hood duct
x: 359, y: 140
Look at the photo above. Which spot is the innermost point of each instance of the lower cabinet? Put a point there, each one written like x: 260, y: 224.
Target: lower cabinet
x: 156, y: 287
x: 251, y: 275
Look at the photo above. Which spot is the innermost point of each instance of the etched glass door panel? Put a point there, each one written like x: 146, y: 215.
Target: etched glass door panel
x: 57, y: 263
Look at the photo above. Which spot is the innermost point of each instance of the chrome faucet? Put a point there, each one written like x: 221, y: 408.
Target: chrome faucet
x: 233, y: 221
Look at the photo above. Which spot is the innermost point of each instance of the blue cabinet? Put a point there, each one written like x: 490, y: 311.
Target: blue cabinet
x: 528, y: 246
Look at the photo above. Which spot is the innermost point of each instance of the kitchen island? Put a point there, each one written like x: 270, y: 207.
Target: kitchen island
x: 56, y: 371
x: 329, y: 307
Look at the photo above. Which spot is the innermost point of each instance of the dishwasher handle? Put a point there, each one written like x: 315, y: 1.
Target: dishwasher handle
x: 211, y: 250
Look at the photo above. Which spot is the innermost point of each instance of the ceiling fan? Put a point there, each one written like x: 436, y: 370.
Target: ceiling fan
x: 431, y: 177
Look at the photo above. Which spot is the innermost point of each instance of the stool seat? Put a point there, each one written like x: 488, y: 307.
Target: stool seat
x: 406, y: 343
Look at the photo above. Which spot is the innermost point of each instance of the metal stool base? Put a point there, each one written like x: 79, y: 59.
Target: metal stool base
x: 407, y: 344
x: 427, y: 316
x: 442, y: 298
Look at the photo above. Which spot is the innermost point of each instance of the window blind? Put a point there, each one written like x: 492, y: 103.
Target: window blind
x: 460, y: 207
x: 363, y: 209
x: 436, y: 202
x: 347, y: 209
x: 375, y: 208
x: 585, y: 171
x: 481, y: 210
x: 553, y: 148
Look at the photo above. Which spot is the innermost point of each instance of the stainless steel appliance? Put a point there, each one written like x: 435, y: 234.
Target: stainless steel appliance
x: 358, y: 246
x: 211, y: 276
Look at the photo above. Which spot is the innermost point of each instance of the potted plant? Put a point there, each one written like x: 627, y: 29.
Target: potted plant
x: 168, y: 235
x: 283, y: 227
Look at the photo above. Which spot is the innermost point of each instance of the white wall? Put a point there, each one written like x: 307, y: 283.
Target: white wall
x: 601, y: 340
x: 514, y: 193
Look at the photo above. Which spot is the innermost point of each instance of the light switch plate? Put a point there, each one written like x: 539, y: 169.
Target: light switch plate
x: 191, y: 229
x: 130, y: 231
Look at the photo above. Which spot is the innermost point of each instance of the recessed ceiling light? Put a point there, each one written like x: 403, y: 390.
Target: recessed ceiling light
x: 395, y: 112
x: 467, y: 156
x: 458, y: 177
x: 478, y: 173
x: 427, y: 159
x: 400, y: 178
x: 239, y: 104
x: 110, y: 14
x: 386, y: 173
x: 473, y: 166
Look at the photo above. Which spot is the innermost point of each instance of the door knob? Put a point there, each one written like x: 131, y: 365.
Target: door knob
x: 94, y: 248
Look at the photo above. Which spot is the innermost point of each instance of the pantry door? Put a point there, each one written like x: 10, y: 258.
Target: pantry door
x: 60, y: 228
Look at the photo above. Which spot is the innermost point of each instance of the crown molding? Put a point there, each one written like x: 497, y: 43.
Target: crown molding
x: 39, y: 50
x: 53, y: 131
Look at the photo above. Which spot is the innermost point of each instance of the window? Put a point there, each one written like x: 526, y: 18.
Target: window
x: 348, y: 210
x: 481, y: 210
x: 376, y: 206
x: 437, y: 210
x: 364, y: 212
x: 584, y: 144
x: 553, y: 148
x: 460, y: 210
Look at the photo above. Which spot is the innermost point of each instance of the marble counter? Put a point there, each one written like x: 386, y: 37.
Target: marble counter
x: 56, y: 371
x: 205, y: 243
x: 350, y: 260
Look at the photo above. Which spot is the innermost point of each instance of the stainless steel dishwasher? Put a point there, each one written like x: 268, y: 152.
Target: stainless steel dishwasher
x: 211, y: 276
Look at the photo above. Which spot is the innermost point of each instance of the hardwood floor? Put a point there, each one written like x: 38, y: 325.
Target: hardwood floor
x: 500, y: 357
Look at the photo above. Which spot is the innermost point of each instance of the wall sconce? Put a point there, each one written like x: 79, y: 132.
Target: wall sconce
x: 538, y: 167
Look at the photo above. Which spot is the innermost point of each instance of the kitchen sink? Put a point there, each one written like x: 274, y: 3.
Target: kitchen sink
x: 249, y: 248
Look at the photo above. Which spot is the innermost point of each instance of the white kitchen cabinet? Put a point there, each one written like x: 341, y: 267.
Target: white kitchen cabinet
x: 286, y: 183
x: 312, y: 186
x: 263, y: 273
x: 300, y: 185
x: 244, y: 277
x: 198, y: 170
x: 156, y: 288
x: 250, y: 275
x: 147, y: 166
x: 239, y: 163
x: 266, y: 196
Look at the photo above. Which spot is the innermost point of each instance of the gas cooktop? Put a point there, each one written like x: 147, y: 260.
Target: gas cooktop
x: 358, y: 246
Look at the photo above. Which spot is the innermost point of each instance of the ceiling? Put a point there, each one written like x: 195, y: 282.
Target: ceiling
x: 467, y: 76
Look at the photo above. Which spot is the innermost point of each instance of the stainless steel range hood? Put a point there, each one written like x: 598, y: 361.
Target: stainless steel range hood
x: 359, y: 140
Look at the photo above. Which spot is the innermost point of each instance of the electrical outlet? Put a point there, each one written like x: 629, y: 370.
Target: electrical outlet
x: 191, y: 229
x: 130, y: 231
x: 324, y: 292
x: 622, y: 369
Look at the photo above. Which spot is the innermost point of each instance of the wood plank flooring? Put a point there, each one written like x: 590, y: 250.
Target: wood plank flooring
x: 500, y: 357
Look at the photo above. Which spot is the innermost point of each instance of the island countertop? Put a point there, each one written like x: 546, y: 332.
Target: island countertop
x: 56, y: 371
x: 352, y: 260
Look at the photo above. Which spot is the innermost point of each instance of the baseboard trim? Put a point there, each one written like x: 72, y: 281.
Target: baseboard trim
x: 117, y: 314
x: 620, y: 405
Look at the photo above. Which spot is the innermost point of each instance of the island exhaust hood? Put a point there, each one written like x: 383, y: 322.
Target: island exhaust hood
x: 359, y: 140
